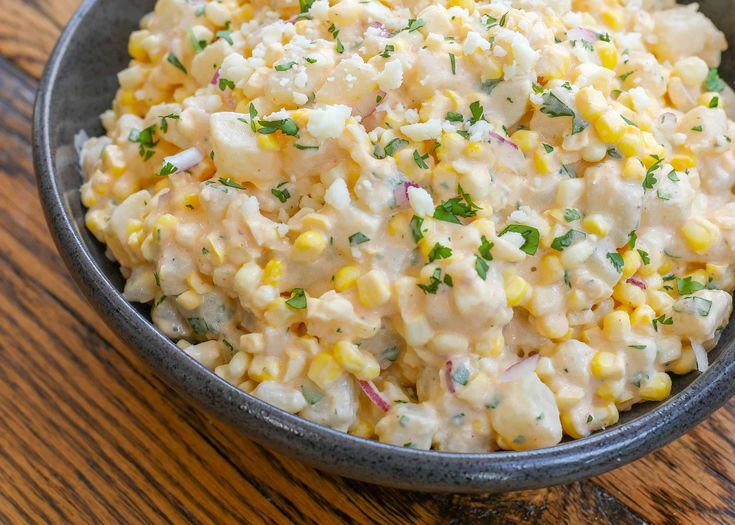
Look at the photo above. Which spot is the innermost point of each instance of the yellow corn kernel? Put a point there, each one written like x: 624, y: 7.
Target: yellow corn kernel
x: 398, y: 224
x: 324, y: 370
x: 610, y: 127
x: 316, y: 221
x: 606, y: 365
x: 590, y: 103
x: 473, y: 150
x: 346, y: 277
x: 550, y: 269
x: 665, y: 267
x: 492, y: 346
x: 265, y: 367
x: 608, y: 54
x: 683, y: 162
x: 373, y: 289
x: 273, y: 271
x: 631, y: 263
x: 699, y: 234
x: 630, y: 144
x: 656, y: 388
x: 576, y: 300
x: 309, y: 246
x: 572, y: 427
x: 135, y: 46
x: 525, y: 139
x: 492, y: 68
x: 596, y: 224
x: 686, y: 362
x: 516, y: 290
x: 643, y: 315
x: 279, y: 315
x: 253, y: 343
x: 634, y: 170
x: 451, y: 146
x: 268, y: 142
x: 616, y: 325
x: 716, y: 271
x: 465, y: 4
x: 613, y: 18
x: 362, y: 365
x: 568, y: 396
x: 542, y: 161
x: 609, y: 391
x: 191, y: 201
x: 362, y: 428
x: 455, y: 99
x: 165, y: 225
x: 552, y: 326
x: 244, y: 13
x: 629, y: 294
x: 189, y: 300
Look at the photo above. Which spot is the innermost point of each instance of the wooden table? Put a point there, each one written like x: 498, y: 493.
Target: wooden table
x: 89, y: 434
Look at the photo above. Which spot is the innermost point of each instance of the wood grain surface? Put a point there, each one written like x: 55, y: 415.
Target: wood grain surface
x: 89, y: 435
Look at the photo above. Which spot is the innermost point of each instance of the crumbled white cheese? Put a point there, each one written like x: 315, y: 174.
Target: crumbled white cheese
x: 337, y: 195
x: 319, y: 10
x: 431, y: 129
x: 474, y: 42
x: 392, y: 76
x: 328, y: 122
x: 420, y: 201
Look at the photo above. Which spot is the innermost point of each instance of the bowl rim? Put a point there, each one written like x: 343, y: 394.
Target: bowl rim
x: 323, y: 447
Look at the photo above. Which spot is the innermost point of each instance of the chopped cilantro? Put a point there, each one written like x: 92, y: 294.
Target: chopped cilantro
x: 530, y: 236
x: 713, y: 82
x: 420, y: 160
x: 285, y: 66
x: 416, y: 223
x: 687, y: 285
x: 481, y: 267
x: 281, y: 192
x: 453, y: 63
x: 174, y: 61
x: 286, y: 126
x: 298, y: 299
x: 358, y: 238
x: 566, y: 240
x: 617, y: 261
x: 439, y: 252
x: 231, y: 183
x: 571, y: 215
x: 488, y: 86
x: 554, y: 107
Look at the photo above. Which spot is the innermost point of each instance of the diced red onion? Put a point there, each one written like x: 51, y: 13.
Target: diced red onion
x: 520, y: 369
x: 374, y: 395
x: 185, y: 160
x: 450, y: 381
x: 383, y: 31
x: 700, y: 355
x: 215, y: 78
x: 503, y: 140
x: 401, y: 192
x: 635, y: 281
x: 582, y: 33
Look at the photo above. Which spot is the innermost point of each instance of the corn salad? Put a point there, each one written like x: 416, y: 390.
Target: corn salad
x: 450, y: 224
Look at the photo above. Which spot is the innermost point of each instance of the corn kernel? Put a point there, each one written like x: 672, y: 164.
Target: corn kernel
x: 596, y: 224
x: 346, y: 277
x: 683, y: 162
x: 699, y: 234
x: 607, y: 365
x: 550, y: 269
x: 573, y: 427
x: 525, y: 139
x: 309, y: 246
x: 476, y: 390
x: 613, y: 18
x: 265, y: 367
x: 631, y: 263
x: 553, y: 326
x: 189, y: 300
x: 273, y: 271
x: 634, y: 170
x: 542, y: 161
x: 568, y: 396
x: 629, y: 294
x: 279, y: 315
x: 609, y: 391
x: 608, y: 54
x: 247, y: 278
x: 324, y: 370
x: 716, y: 271
x: 492, y: 68
x: 362, y: 365
x: 253, y: 343
x: 268, y: 142
x: 316, y: 220
x: 686, y: 362
x: 656, y: 388
x: 691, y: 70
x: 610, y: 127
x: 616, y: 325
x: 516, y: 290
x: 362, y: 428
x: 244, y: 13
x: 492, y: 346
x: 643, y: 315
x: 699, y: 276
x: 630, y: 144
x: 113, y: 161
x: 373, y: 289
x: 590, y: 103
x: 135, y: 47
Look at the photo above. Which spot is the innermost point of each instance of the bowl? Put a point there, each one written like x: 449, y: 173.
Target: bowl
x: 79, y: 83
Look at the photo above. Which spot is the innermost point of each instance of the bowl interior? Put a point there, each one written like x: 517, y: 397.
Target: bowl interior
x: 83, y: 85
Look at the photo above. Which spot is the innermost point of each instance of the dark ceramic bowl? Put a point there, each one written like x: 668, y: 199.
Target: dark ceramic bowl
x: 79, y: 83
